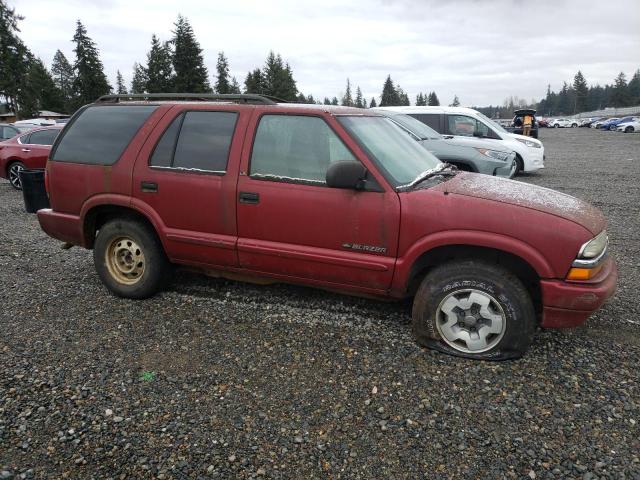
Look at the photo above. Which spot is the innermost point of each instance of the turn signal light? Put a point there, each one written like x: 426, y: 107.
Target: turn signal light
x: 583, y: 273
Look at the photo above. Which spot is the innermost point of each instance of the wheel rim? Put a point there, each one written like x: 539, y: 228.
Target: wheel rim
x: 125, y: 260
x: 471, y: 321
x: 14, y: 174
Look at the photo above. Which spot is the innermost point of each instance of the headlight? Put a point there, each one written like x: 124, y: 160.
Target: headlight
x: 498, y: 155
x: 594, y: 247
x: 529, y: 143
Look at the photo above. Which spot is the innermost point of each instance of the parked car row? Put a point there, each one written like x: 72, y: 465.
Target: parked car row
x: 626, y: 124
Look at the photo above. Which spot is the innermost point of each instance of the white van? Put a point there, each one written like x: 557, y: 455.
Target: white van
x: 470, y: 127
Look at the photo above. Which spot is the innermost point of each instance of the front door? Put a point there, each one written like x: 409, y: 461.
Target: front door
x: 185, y: 176
x: 291, y: 225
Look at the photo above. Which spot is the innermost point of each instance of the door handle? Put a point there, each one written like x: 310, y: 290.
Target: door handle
x: 249, y: 197
x: 26, y: 150
x: 148, y: 187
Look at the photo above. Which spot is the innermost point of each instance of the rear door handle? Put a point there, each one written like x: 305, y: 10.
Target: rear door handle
x: 249, y: 197
x: 149, y: 187
x: 26, y: 150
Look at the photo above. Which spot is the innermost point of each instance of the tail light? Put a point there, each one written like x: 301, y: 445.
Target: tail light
x: 46, y: 182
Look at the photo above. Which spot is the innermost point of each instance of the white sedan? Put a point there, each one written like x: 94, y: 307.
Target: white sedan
x: 629, y: 127
x: 563, y: 123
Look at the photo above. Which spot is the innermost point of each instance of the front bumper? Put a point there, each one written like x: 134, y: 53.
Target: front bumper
x: 534, y: 159
x: 506, y: 171
x: 569, y: 304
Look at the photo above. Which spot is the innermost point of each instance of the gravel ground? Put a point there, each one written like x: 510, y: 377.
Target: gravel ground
x: 218, y: 379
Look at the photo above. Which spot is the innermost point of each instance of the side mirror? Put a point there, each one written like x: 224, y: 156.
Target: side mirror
x: 346, y: 174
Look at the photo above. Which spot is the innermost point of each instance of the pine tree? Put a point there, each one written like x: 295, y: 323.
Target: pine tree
x: 347, y: 99
x: 433, y: 100
x: 140, y: 79
x: 278, y: 78
x: 191, y: 74
x: 581, y: 91
x: 42, y: 89
x: 389, y: 94
x: 63, y: 77
x: 372, y: 103
x: 159, y: 70
x: 421, y: 100
x: 235, y: 86
x: 222, y: 81
x: 90, y: 81
x: 121, y: 89
x: 634, y: 89
x: 456, y: 101
x: 360, y: 102
x: 620, y: 94
x: 254, y: 83
x: 334, y: 101
x: 403, y: 98
x: 15, y: 61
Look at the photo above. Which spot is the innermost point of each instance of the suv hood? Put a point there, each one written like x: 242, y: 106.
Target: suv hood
x: 529, y: 196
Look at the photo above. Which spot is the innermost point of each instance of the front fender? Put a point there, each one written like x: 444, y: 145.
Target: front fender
x: 471, y: 238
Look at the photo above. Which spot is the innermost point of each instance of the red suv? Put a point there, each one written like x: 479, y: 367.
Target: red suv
x: 29, y: 150
x: 334, y: 197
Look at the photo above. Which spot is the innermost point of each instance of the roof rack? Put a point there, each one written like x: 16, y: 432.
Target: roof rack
x: 198, y: 97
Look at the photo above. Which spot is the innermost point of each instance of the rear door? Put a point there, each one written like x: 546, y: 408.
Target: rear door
x: 291, y: 225
x: 185, y: 178
x: 35, y: 151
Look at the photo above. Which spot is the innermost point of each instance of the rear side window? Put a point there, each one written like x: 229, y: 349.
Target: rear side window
x: 100, y: 134
x: 430, y: 119
x: 196, y: 141
x: 44, y: 137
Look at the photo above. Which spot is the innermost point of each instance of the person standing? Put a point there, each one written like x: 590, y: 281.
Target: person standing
x: 526, y: 125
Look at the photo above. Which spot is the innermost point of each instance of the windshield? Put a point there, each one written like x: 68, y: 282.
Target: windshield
x: 415, y: 126
x: 400, y: 157
x: 496, y: 125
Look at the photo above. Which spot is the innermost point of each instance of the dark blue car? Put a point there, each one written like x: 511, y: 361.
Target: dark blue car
x: 612, y: 123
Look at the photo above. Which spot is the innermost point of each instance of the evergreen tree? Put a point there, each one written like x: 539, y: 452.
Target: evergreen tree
x: 634, y: 89
x: 581, y: 91
x: 15, y: 61
x: 456, y: 101
x: 188, y: 63
x: 421, y: 100
x: 235, y: 86
x: 121, y: 89
x: 360, y: 102
x: 372, y: 103
x: 326, y: 101
x: 90, y: 81
x: 159, y: 68
x: 433, y: 100
x: 43, y: 91
x: 222, y: 68
x: 254, y: 83
x: 565, y: 102
x: 63, y: 77
x: 140, y: 79
x: 278, y: 78
x: 389, y: 94
x: 334, y: 101
x: 620, y: 94
x: 403, y: 98
x: 347, y: 99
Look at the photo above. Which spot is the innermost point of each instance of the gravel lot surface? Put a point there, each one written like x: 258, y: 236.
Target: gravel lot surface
x: 218, y: 379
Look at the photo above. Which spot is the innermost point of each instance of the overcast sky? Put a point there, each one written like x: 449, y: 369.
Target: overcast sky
x: 483, y: 51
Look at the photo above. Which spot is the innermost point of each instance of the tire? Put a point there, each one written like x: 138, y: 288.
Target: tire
x: 13, y: 174
x: 473, y: 288
x: 628, y: 129
x: 574, y: 125
x: 519, y: 166
x: 129, y: 259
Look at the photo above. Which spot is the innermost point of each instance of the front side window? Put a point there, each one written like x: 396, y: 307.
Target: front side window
x: 461, y: 125
x: 196, y: 141
x: 44, y: 137
x: 100, y: 134
x: 295, y: 147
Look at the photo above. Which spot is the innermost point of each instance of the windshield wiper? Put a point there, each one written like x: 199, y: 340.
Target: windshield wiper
x: 440, y: 169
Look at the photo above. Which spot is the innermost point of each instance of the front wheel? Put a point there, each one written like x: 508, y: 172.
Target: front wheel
x: 475, y: 310
x: 13, y: 174
x: 130, y: 259
x: 556, y: 126
x: 574, y: 125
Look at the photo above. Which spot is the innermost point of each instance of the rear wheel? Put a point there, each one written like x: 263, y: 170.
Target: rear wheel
x: 13, y: 174
x: 574, y: 125
x: 628, y: 129
x: 556, y: 126
x: 475, y: 310
x: 129, y: 259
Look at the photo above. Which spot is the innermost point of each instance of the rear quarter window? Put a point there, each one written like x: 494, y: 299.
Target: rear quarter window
x: 100, y: 134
